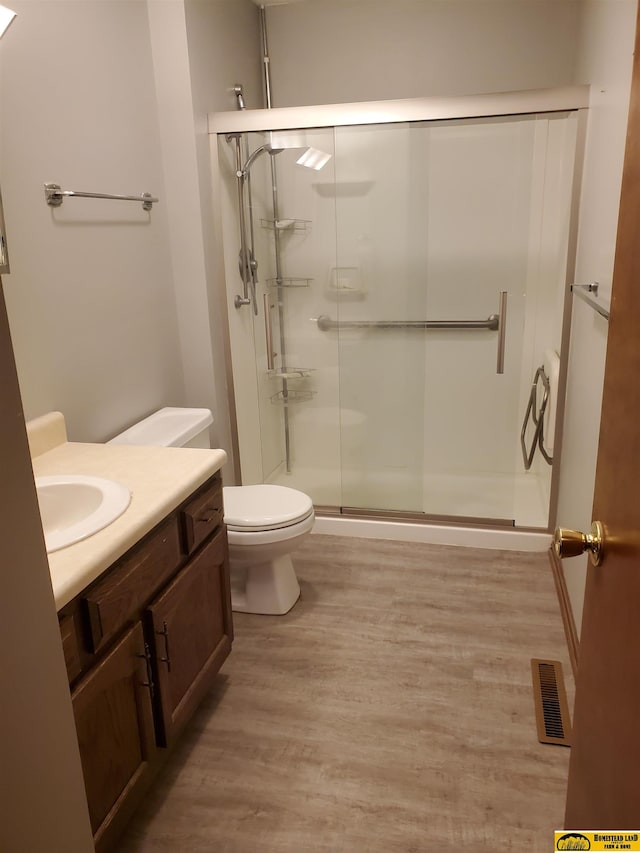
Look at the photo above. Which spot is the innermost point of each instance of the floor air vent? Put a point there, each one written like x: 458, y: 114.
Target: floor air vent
x: 552, y: 711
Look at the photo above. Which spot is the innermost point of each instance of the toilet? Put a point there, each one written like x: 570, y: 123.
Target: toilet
x: 265, y: 523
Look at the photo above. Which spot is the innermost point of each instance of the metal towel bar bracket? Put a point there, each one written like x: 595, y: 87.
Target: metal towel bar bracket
x: 55, y: 195
x: 537, y: 415
x: 588, y: 293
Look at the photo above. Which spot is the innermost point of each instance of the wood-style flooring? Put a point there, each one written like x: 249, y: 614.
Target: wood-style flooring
x: 390, y: 710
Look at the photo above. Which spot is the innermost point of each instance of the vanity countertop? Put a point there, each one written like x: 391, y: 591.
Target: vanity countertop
x: 159, y: 479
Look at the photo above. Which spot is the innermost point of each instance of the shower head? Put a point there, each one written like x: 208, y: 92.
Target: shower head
x: 268, y: 147
x: 313, y: 158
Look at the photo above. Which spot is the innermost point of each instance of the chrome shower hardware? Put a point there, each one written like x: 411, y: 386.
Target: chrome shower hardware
x: 238, y: 91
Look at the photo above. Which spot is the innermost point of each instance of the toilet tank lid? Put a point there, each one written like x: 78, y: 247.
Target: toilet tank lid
x: 168, y: 427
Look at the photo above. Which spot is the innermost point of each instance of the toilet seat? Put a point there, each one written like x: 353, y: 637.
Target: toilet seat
x: 245, y: 542
x: 264, y: 507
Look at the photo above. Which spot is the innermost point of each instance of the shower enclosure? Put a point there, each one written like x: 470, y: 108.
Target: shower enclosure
x: 390, y: 312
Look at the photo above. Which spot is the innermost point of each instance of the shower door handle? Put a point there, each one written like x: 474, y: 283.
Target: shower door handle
x: 502, y: 330
x: 268, y: 332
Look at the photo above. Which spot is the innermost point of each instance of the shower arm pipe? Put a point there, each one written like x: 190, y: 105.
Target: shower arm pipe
x: 238, y: 91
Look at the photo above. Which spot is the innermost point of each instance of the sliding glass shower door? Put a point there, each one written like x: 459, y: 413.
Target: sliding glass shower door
x: 376, y: 328
x: 438, y: 226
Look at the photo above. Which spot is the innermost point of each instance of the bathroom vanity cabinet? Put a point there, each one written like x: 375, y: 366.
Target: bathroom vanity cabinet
x: 143, y: 644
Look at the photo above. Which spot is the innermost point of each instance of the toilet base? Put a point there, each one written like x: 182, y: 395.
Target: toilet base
x: 270, y: 588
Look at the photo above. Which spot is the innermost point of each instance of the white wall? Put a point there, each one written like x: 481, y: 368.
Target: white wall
x: 90, y: 300
x: 200, y: 50
x: 115, y: 312
x: 360, y: 50
x: 223, y: 43
x: 604, y: 60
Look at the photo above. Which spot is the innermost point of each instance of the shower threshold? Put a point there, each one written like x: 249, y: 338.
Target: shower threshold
x: 501, y: 502
x: 412, y: 517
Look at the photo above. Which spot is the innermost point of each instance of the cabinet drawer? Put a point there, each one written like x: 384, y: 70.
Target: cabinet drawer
x: 132, y: 582
x: 203, y: 514
x: 70, y: 646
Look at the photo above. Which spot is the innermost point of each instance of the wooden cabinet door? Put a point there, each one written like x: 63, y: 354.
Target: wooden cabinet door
x: 114, y: 722
x: 192, y: 633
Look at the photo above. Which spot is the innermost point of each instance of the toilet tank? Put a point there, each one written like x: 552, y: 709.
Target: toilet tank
x: 170, y: 427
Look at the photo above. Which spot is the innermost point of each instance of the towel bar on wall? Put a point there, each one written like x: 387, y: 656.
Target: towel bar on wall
x: 584, y: 291
x: 55, y: 195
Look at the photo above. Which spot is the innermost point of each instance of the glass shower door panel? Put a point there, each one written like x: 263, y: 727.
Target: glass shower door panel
x: 258, y: 421
x: 433, y: 223
x: 259, y: 209
x: 381, y: 210
x: 480, y: 190
x: 301, y: 389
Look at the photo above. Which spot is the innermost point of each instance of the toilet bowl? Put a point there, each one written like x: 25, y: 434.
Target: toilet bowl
x: 265, y: 523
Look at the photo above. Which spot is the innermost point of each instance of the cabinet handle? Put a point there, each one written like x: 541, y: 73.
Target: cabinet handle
x: 147, y: 658
x: 212, y: 515
x: 164, y: 633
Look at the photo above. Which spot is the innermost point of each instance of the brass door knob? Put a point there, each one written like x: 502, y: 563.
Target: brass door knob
x: 572, y: 543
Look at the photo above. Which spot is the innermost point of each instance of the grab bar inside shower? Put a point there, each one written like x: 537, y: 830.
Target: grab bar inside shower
x: 494, y: 323
x: 326, y: 324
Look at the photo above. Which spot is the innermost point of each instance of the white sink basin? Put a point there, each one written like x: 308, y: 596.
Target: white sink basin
x: 73, y: 507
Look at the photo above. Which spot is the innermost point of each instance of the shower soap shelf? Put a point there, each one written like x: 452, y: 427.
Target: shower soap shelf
x: 286, y: 224
x: 291, y: 396
x: 290, y: 373
x: 289, y: 282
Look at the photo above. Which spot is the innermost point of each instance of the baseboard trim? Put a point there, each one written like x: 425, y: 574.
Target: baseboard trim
x: 570, y: 631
